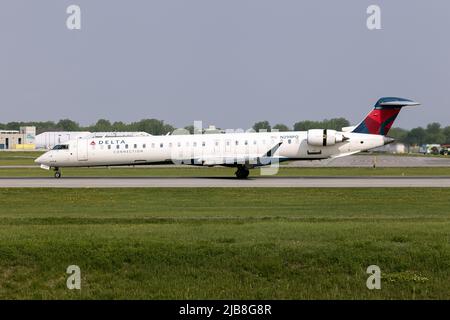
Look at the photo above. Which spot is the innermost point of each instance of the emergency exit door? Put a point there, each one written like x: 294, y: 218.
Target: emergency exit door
x: 82, y: 149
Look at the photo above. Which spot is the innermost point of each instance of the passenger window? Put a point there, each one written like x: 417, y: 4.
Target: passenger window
x: 228, y: 143
x: 144, y: 146
x: 289, y: 141
x: 246, y: 142
x: 153, y: 145
x: 195, y: 144
x: 237, y: 142
x: 118, y: 146
x: 109, y: 147
x: 161, y: 145
x: 203, y: 143
x: 179, y: 144
x: 126, y: 146
x: 135, y: 146
x: 254, y: 142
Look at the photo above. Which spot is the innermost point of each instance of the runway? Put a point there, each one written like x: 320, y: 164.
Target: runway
x: 226, y: 182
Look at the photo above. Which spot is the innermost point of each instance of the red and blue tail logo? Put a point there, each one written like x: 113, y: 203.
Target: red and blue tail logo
x: 381, y: 118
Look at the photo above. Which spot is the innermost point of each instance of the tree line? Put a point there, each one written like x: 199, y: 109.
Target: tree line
x: 152, y: 126
x: 432, y: 133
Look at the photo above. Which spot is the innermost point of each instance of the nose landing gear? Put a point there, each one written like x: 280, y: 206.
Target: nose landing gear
x: 57, y: 173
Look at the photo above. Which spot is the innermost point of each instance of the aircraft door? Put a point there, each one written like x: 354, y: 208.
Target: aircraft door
x: 82, y: 149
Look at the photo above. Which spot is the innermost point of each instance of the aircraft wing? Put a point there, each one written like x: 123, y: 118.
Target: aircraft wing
x: 344, y: 154
x: 246, y: 158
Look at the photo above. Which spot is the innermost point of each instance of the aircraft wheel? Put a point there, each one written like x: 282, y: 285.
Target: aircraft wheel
x: 57, y: 174
x: 242, y: 173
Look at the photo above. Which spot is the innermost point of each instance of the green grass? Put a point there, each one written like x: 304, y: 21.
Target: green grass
x: 215, y: 243
x: 15, y: 158
x: 221, y: 171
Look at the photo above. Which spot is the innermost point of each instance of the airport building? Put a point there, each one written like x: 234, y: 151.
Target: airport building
x: 48, y: 140
x: 396, y: 147
x: 22, y: 139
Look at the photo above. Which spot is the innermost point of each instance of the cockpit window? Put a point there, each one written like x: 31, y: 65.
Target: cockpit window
x: 61, y: 147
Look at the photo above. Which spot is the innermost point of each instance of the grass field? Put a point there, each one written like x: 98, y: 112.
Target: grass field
x: 220, y: 172
x: 225, y: 243
x: 8, y: 158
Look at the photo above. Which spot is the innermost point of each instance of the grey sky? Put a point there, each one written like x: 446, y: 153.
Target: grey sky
x: 227, y: 62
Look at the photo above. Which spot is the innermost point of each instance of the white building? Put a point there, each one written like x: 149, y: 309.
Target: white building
x: 48, y: 140
x: 23, y: 138
x: 396, y: 147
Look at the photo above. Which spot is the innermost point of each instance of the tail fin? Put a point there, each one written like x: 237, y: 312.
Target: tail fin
x: 381, y: 118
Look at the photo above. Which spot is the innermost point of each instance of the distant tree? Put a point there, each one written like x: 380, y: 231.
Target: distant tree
x: 446, y: 132
x: 416, y: 136
x: 281, y: 127
x: 433, y: 128
x: 193, y: 130
x: 261, y: 125
x: 152, y: 126
x: 119, y: 126
x: 306, y: 125
x: 434, y: 133
x: 335, y: 124
x: 168, y: 128
x: 68, y: 125
x: 40, y: 126
x: 190, y: 128
x: 45, y: 126
x: 102, y: 125
x: 13, y: 125
x: 398, y: 134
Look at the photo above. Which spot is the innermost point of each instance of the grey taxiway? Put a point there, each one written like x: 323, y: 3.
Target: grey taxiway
x: 216, y: 182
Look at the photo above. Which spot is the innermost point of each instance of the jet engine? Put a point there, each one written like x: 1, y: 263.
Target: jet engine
x: 324, y: 137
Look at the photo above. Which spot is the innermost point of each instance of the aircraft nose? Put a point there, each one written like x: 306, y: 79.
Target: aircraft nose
x: 42, y: 159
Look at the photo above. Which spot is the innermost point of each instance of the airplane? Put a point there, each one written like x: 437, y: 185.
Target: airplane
x: 244, y: 150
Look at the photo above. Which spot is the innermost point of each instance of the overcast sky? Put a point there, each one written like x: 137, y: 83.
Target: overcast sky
x: 226, y: 62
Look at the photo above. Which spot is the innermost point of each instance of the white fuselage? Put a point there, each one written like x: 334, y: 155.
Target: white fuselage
x: 200, y: 149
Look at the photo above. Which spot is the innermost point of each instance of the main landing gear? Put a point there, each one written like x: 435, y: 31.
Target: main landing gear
x: 242, y: 172
x: 57, y: 173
